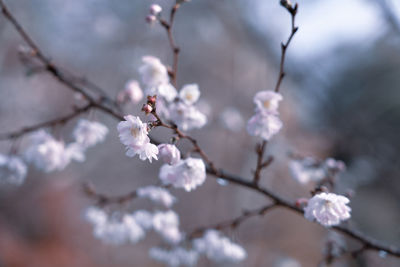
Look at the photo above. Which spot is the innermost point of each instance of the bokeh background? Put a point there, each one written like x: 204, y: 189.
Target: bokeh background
x: 341, y: 99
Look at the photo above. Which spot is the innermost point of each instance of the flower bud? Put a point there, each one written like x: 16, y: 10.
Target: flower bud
x: 150, y: 19
x: 155, y: 9
x: 147, y: 108
x: 169, y: 153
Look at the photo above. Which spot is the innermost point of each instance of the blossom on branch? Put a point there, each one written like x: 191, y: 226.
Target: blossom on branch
x: 186, y: 174
x: 219, y: 248
x: 133, y: 134
x: 174, y: 257
x: 169, y: 154
x: 49, y: 154
x: 267, y: 101
x: 157, y: 194
x: 264, y: 124
x: 167, y: 225
x: 132, y: 93
x: 327, y: 209
x: 89, y: 133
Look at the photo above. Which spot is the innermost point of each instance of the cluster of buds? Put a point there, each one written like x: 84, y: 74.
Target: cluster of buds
x: 150, y: 106
x: 154, y: 12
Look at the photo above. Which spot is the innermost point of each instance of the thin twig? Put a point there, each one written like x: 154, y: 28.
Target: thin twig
x: 233, y: 223
x: 50, y: 123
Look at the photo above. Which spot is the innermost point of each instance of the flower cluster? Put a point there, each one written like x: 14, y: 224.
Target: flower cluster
x: 307, y: 169
x: 157, y: 194
x: 265, y: 123
x: 49, y: 154
x: 327, y: 209
x: 219, y: 248
x: 133, y: 133
x: 187, y: 174
x: 89, y: 133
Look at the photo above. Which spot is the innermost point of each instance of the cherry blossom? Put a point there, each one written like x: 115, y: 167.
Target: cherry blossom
x: 264, y: 124
x: 328, y: 209
x: 169, y: 154
x: 186, y: 174
x: 219, y: 248
x: 89, y: 133
x: 157, y: 194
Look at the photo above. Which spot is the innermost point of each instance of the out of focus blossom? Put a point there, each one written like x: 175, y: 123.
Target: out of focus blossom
x: 186, y: 174
x: 157, y: 194
x: 167, y: 225
x: 133, y: 134
x: 267, y: 101
x: 153, y: 72
x: 175, y: 257
x: 169, y: 154
x: 89, y: 133
x: 155, y: 9
x: 219, y: 248
x: 49, y: 154
x: 307, y: 169
x: 328, y: 209
x: 144, y: 219
x: 189, y: 94
x: 186, y: 117
x: 12, y: 170
x: 165, y: 90
x: 131, y: 93
x: 115, y: 231
x: 231, y: 119
x: 264, y: 124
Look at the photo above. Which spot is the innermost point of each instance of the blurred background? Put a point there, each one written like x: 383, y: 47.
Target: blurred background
x: 341, y: 99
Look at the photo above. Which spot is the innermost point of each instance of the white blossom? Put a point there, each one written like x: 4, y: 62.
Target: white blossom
x: 219, y: 248
x: 169, y: 154
x: 47, y: 153
x: 167, y: 225
x: 165, y: 90
x: 153, y: 72
x: 175, y: 257
x: 115, y: 230
x: 189, y: 94
x: 132, y: 92
x: 12, y: 170
x: 264, y: 124
x: 186, y: 117
x: 89, y: 133
x: 144, y: 219
x: 187, y: 174
x: 133, y: 133
x: 328, y: 209
x: 157, y: 194
x: 267, y: 101
x: 155, y: 9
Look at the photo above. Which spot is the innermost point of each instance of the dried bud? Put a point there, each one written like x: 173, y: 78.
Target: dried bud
x: 150, y: 19
x: 155, y: 9
x: 147, y: 108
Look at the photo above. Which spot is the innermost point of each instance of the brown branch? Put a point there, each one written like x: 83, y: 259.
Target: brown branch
x: 175, y: 49
x: 284, y: 46
x: 260, y: 164
x: 366, y: 241
x: 49, y: 66
x: 50, y: 123
x: 234, y: 223
x: 102, y: 199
